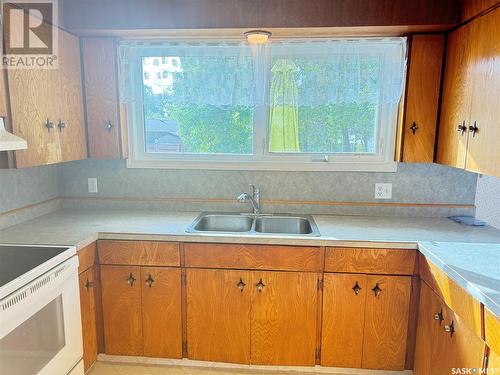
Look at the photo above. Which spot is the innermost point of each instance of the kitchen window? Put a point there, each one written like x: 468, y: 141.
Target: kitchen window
x: 287, y: 105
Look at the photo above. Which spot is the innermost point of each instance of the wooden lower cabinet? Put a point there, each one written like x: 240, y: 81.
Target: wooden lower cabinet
x: 88, y: 313
x: 121, y: 305
x: 252, y: 317
x: 142, y: 311
x: 437, y: 350
x: 161, y: 312
x: 365, y: 321
x: 284, y: 318
x: 218, y: 315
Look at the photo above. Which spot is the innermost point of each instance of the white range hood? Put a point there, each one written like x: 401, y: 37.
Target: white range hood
x: 9, y: 141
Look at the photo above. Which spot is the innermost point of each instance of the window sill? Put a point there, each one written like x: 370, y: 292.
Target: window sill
x: 362, y: 166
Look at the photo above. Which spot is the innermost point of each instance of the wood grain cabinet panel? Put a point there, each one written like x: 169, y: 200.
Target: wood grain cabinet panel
x: 453, y: 295
x: 70, y: 119
x: 161, y: 312
x: 87, y: 257
x: 424, y: 82
x: 271, y: 257
x: 122, y: 315
x: 344, y: 300
x: 483, y: 152
x: 493, y: 362
x: 472, y: 8
x: 284, y: 318
x: 142, y: 253
x: 492, y: 330
x: 386, y: 322
x: 3, y: 94
x: 218, y: 315
x: 101, y: 89
x: 456, y: 99
x: 368, y: 260
x: 88, y: 316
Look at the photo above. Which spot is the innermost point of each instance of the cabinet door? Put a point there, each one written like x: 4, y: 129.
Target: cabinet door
x: 461, y: 348
x: 344, y: 297
x: 121, y: 304
x: 69, y: 116
x: 88, y: 312
x: 284, y: 318
x: 3, y: 95
x: 33, y: 100
x: 424, y: 82
x: 483, y: 153
x: 456, y: 99
x: 386, y: 322
x: 100, y: 67
x: 430, y: 324
x: 161, y: 312
x: 218, y: 315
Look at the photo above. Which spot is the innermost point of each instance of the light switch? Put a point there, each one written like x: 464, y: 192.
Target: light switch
x: 92, y: 184
x: 383, y: 191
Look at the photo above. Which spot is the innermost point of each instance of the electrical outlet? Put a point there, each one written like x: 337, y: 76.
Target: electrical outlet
x: 92, y: 184
x: 383, y: 191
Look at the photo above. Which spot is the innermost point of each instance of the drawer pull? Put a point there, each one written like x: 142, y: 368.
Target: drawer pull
x: 439, y: 316
x: 462, y: 128
x: 89, y: 284
x: 108, y: 126
x: 356, y: 288
x: 150, y: 280
x: 376, y: 290
x: 473, y: 129
x: 414, y: 127
x: 49, y: 125
x: 260, y: 285
x: 131, y: 280
x: 450, y: 328
x: 241, y: 285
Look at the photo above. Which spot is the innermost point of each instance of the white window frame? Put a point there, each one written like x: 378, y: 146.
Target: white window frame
x: 383, y: 160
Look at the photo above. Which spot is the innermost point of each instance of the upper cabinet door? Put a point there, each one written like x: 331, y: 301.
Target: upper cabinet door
x: 483, y: 154
x: 3, y: 95
x: 70, y: 122
x: 456, y: 99
x: 101, y: 85
x: 424, y: 82
x: 284, y: 318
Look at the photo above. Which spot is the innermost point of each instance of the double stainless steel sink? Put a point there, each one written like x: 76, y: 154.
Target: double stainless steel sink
x: 254, y: 224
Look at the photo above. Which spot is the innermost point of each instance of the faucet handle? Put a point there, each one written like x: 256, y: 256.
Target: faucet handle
x: 255, y: 190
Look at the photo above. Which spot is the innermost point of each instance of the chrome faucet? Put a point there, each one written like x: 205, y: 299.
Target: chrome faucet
x: 254, y: 199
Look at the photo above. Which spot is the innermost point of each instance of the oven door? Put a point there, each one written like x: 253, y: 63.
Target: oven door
x: 40, y: 326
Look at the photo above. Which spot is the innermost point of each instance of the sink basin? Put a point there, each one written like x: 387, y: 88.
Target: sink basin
x: 288, y: 225
x: 223, y: 223
x: 254, y: 224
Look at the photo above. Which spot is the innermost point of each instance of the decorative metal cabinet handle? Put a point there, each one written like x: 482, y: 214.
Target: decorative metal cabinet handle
x: 89, y: 284
x: 260, y: 285
x: 49, y: 124
x: 376, y: 290
x: 241, y: 285
x: 450, y: 328
x: 150, y: 280
x: 131, y: 280
x: 108, y: 126
x: 356, y: 288
x: 439, y: 316
x: 462, y: 128
x: 473, y: 129
x: 61, y: 125
x: 413, y: 127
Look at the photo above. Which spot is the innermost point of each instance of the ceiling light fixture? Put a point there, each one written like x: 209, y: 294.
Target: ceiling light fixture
x: 257, y: 36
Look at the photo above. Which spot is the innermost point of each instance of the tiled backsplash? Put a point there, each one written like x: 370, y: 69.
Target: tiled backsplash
x: 314, y: 192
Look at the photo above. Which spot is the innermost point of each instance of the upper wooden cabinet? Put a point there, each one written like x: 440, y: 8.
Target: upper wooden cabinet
x: 3, y: 95
x: 421, y: 104
x: 101, y: 93
x: 470, y: 116
x: 47, y: 108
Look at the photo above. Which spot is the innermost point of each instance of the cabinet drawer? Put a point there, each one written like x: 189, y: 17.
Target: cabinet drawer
x: 461, y: 302
x: 288, y: 258
x: 140, y: 253
x: 492, y: 330
x: 370, y: 260
x: 86, y: 257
